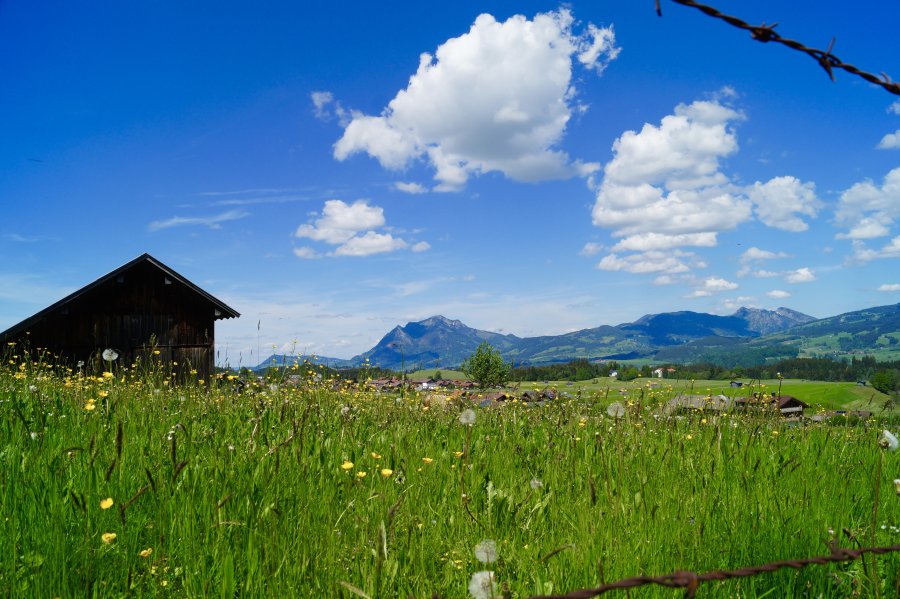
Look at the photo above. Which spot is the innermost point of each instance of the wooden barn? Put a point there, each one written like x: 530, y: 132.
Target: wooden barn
x: 138, y: 309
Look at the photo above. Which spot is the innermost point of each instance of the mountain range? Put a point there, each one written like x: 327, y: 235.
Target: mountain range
x: 747, y: 337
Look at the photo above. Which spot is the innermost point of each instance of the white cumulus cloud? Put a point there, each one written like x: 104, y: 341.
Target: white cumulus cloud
x: 665, y: 187
x: 889, y: 287
x: 370, y: 243
x: 341, y: 221
x: 781, y: 201
x: 869, y: 210
x: 497, y: 98
x: 352, y: 228
x: 891, y: 141
x: 647, y: 262
x: 801, y: 275
x: 778, y: 294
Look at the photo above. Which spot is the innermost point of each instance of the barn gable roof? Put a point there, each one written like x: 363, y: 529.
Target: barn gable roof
x: 221, y: 309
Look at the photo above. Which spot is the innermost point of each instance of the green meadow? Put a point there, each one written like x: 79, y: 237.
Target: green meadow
x: 124, y: 485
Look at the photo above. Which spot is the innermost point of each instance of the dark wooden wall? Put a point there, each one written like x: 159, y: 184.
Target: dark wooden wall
x: 135, y: 313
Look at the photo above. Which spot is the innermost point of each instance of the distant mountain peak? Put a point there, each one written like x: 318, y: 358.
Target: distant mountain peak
x: 765, y: 322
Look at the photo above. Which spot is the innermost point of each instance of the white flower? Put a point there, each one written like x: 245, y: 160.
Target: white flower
x: 32, y: 388
x: 889, y: 441
x: 486, y: 551
x: 536, y: 484
x: 33, y: 435
x: 467, y: 417
x: 110, y: 355
x: 483, y: 585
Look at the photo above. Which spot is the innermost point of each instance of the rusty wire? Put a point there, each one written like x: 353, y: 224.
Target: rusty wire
x: 689, y: 581
x: 766, y: 33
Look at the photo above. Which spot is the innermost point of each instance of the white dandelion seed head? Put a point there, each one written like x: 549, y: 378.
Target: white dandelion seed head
x: 483, y: 585
x: 467, y: 417
x: 615, y: 410
x: 110, y: 355
x: 33, y: 435
x: 536, y: 484
x: 889, y: 441
x: 32, y: 388
x: 486, y: 551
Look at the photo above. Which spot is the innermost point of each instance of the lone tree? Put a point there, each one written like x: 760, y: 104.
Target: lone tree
x: 486, y: 366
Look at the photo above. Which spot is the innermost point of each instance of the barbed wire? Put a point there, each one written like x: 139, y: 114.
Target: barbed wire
x: 766, y: 33
x: 689, y: 581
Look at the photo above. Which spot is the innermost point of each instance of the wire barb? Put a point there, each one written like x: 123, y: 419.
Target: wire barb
x: 766, y: 33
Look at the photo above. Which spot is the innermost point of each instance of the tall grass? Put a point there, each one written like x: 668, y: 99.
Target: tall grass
x: 286, y: 491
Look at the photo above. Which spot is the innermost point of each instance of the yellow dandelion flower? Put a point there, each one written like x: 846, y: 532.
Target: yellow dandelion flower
x: 107, y: 503
x: 361, y: 474
x: 155, y: 352
x: 146, y: 552
x: 375, y: 456
x: 103, y: 393
x: 689, y: 437
x: 348, y: 465
x: 458, y: 454
x: 108, y: 537
x: 89, y: 406
x: 427, y: 460
x: 386, y: 472
x: 107, y: 375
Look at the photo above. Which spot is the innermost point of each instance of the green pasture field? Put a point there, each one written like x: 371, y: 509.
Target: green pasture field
x: 127, y: 485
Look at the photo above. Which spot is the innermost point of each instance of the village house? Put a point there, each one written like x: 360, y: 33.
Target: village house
x: 144, y: 311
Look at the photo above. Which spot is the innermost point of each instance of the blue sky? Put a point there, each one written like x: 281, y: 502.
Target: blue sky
x: 530, y: 167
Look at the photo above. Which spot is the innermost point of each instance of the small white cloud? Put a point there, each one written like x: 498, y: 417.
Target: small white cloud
x: 778, y: 294
x: 369, y: 244
x: 412, y: 188
x: 895, y: 107
x: 717, y: 284
x: 306, y: 253
x: 801, y: 275
x: 755, y: 254
x: 890, y: 287
x: 422, y: 246
x: 213, y: 222
x: 664, y: 280
x: 325, y: 107
x: 699, y: 293
x: 765, y: 274
x: 591, y: 248
x: 891, y: 141
x: 645, y: 263
x: 497, y: 98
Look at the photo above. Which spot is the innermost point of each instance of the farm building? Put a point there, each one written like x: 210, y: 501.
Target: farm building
x: 787, y: 405
x: 140, y: 308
